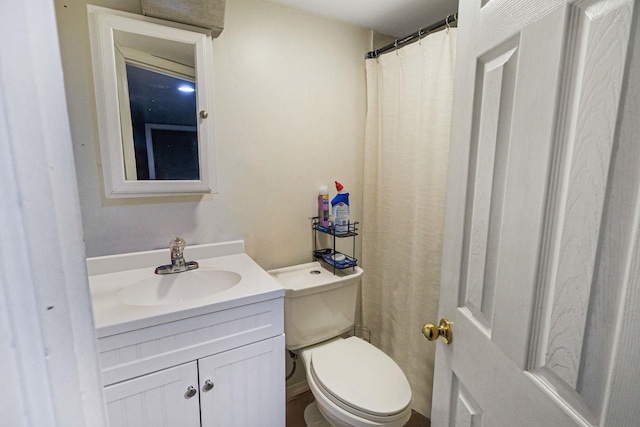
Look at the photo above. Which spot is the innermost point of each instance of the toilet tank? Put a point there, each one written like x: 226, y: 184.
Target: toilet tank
x: 318, y: 305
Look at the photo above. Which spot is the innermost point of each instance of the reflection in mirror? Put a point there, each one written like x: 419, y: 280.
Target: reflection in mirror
x: 157, y: 90
x: 162, y: 145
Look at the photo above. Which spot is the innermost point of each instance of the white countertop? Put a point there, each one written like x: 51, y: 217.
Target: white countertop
x: 108, y: 275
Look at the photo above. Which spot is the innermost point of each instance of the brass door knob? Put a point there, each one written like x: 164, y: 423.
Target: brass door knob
x: 432, y: 332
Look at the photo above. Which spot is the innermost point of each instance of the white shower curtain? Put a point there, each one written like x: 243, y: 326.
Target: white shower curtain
x: 409, y: 95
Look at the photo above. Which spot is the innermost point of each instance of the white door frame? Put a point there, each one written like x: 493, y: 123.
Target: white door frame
x: 48, y: 359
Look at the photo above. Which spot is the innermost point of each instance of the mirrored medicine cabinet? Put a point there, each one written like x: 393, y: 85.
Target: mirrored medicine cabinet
x: 154, y: 96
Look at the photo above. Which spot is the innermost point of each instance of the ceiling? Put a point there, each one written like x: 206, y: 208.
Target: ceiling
x: 396, y: 18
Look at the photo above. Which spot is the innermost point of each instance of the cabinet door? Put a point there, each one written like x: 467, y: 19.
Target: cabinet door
x: 248, y: 386
x: 158, y: 399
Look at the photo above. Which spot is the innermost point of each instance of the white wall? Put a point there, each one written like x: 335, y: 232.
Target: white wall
x: 289, y: 116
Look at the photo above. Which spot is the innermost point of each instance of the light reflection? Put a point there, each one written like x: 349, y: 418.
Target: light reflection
x: 186, y: 89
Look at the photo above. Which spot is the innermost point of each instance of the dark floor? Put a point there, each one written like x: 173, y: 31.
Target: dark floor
x: 295, y: 413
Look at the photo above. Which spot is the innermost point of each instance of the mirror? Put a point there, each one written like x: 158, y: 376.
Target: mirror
x: 153, y: 96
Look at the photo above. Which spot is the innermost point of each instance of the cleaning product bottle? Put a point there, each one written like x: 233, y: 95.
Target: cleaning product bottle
x: 340, y: 210
x: 323, y: 207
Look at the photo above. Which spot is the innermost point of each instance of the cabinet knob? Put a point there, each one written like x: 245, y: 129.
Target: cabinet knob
x: 204, y: 114
x: 190, y: 392
x: 208, y: 385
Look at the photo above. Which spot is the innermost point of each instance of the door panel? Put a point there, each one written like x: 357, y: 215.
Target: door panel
x: 156, y: 399
x: 515, y: 86
x: 534, y: 257
x: 494, y: 97
x: 249, y: 387
x: 466, y: 411
x: 572, y: 348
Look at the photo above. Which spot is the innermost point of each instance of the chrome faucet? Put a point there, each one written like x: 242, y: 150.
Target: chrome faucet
x: 178, y: 264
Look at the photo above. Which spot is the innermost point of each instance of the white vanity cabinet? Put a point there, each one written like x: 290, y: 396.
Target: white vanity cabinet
x: 224, y: 368
x: 213, y: 360
x: 233, y: 388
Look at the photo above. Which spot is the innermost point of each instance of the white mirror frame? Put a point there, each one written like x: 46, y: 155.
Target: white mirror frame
x: 102, y: 23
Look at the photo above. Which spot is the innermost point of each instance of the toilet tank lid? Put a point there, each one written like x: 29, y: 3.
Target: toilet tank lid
x: 312, y: 277
x: 361, y: 376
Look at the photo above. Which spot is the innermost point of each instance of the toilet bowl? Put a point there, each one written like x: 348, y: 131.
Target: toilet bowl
x: 353, y: 382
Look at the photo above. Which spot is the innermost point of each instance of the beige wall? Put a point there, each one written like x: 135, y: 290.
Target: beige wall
x: 289, y: 116
x: 379, y: 40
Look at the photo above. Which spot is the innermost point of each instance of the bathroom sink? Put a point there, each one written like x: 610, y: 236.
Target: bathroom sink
x: 179, y: 287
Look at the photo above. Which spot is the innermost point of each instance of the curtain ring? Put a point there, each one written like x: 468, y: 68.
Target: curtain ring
x: 447, y: 23
x: 420, y: 38
x: 396, y: 46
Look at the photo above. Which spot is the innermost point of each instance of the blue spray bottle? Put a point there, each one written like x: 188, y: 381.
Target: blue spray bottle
x: 340, y: 210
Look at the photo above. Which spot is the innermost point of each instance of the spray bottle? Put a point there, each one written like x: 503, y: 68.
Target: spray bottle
x: 323, y: 206
x: 340, y: 210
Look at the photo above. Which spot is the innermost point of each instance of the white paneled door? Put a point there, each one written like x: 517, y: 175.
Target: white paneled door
x: 541, y: 257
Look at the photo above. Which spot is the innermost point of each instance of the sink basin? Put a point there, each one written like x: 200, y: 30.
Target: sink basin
x: 178, y: 287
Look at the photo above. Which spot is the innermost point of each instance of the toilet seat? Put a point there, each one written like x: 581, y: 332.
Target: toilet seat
x: 360, y: 379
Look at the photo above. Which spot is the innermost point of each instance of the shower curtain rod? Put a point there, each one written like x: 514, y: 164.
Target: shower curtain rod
x: 407, y: 39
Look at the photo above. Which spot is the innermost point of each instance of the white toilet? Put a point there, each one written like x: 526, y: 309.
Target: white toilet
x: 353, y: 382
